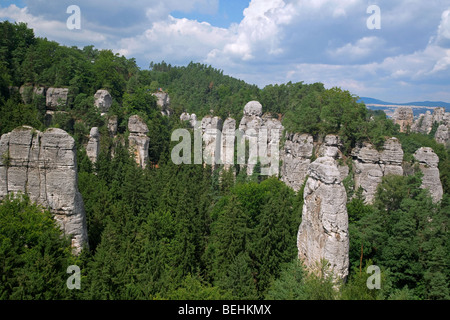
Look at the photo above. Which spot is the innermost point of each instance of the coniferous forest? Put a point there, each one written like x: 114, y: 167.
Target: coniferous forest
x: 185, y: 231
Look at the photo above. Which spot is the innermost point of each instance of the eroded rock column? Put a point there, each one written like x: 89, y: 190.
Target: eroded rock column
x: 138, y: 140
x: 428, y: 164
x: 323, y: 233
x: 43, y: 166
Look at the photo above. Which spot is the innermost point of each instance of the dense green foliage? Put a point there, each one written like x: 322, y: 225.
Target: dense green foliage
x: 187, y: 232
x: 33, y: 256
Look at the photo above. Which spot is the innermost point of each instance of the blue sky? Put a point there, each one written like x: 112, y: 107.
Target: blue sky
x: 269, y: 41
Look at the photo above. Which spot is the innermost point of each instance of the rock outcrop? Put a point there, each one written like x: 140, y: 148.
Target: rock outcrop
x: 138, y: 140
x: 212, y: 137
x: 442, y: 134
x: 371, y: 165
x: 262, y: 133
x: 269, y: 136
x: 228, y: 142
x: 93, y: 146
x: 103, y: 100
x: 404, y: 117
x: 296, y: 158
x: 163, y: 102
x: 191, y: 118
x: 323, y: 232
x: 113, y: 125
x: 43, y: 166
x: 425, y: 122
x: 249, y: 126
x: 29, y: 92
x: 56, y: 97
x: 428, y: 164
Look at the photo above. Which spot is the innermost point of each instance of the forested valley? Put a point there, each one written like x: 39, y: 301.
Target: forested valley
x: 189, y: 232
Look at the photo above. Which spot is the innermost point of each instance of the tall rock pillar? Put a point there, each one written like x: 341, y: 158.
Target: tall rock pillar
x: 323, y: 233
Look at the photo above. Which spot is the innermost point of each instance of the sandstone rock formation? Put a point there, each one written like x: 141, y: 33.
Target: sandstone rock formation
x: 113, y: 125
x: 29, y: 92
x: 192, y: 118
x: 404, y: 117
x: 269, y: 137
x: 442, y: 134
x: 56, y: 97
x: 249, y: 126
x: 371, y: 165
x: 323, y: 232
x: 212, y: 137
x: 228, y: 142
x: 428, y: 164
x: 163, y: 101
x: 296, y: 158
x: 43, y: 166
x: 103, y: 100
x: 424, y: 124
x: 93, y: 146
x: 138, y: 140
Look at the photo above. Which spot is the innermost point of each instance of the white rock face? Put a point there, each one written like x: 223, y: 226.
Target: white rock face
x: 103, y: 100
x: 404, y: 117
x: 269, y: 137
x: 212, y: 140
x: 113, y: 126
x: 138, y: 140
x: 228, y: 142
x: 253, y: 108
x: 296, y: 157
x: 192, y: 118
x: 93, y: 146
x: 323, y: 233
x: 428, y: 164
x: 371, y: 165
x: 163, y: 101
x: 442, y: 134
x: 262, y: 134
x: 43, y: 165
x: 56, y: 97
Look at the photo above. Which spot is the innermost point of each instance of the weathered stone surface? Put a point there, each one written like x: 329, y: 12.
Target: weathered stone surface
x: 113, y: 126
x: 137, y: 125
x: 103, y: 100
x: 249, y: 127
x: 93, y: 146
x: 163, y: 101
x: 192, y: 118
x: 438, y: 114
x: 404, y: 117
x: 296, y: 158
x: 423, y: 124
x: 138, y: 140
x: 269, y: 136
x: 392, y: 152
x: 371, y: 165
x: 43, y: 165
x: 323, y: 233
x: 442, y: 134
x: 212, y: 137
x: 428, y: 164
x: 253, y: 108
x: 56, y: 97
x: 228, y: 142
